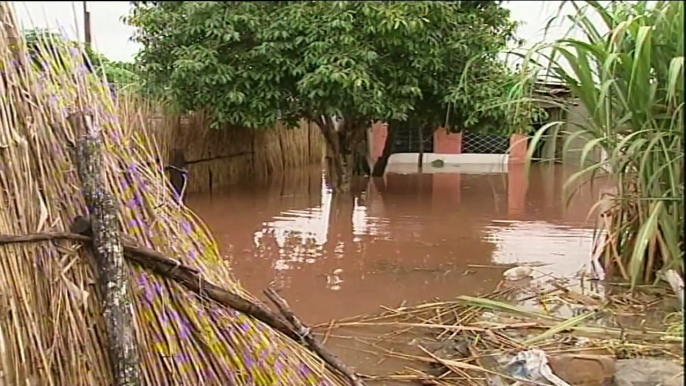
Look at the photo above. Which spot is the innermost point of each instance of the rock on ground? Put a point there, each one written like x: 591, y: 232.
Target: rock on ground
x: 648, y: 372
x: 586, y: 370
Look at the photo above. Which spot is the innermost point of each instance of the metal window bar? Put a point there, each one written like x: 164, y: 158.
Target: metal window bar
x: 479, y: 143
x: 407, y: 139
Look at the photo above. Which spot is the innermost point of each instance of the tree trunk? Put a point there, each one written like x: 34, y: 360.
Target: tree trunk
x: 341, y: 145
x: 112, y: 274
x: 361, y: 156
x: 420, y: 157
x: 382, y: 161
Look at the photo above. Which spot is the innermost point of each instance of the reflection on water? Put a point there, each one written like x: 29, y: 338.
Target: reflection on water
x: 540, y: 242
x: 299, y: 234
x: 407, y: 238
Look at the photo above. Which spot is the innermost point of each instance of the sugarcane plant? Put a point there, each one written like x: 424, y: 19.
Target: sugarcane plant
x: 624, y: 63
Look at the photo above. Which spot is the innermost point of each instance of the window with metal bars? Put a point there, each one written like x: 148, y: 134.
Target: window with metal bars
x: 478, y: 143
x: 407, y: 139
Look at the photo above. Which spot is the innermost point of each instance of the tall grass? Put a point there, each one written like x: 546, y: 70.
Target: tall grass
x: 625, y: 64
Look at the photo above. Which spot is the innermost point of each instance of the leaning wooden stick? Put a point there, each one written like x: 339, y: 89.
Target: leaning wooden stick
x: 172, y: 269
x: 190, y: 278
x: 112, y: 275
x: 311, y: 341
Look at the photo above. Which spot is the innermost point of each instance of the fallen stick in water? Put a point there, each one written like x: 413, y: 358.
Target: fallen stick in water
x: 305, y: 334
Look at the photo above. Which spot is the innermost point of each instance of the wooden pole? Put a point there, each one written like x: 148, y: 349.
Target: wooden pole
x: 87, y: 24
x: 420, y: 156
x: 11, y: 31
x: 107, y: 247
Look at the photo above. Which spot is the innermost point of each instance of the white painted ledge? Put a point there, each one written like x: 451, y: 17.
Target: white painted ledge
x: 406, y: 163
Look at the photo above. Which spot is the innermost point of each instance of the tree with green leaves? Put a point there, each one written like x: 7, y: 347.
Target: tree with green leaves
x: 253, y: 63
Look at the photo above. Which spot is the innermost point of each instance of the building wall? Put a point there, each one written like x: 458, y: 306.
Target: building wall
x: 450, y: 144
x: 577, y: 115
x: 379, y: 132
x: 552, y: 142
x: 447, y: 143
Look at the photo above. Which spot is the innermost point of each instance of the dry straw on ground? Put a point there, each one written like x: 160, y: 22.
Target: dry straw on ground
x: 468, y: 340
x: 51, y: 331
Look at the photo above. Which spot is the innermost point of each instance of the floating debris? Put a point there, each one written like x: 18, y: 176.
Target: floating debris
x: 518, y: 273
x: 472, y: 340
x: 438, y: 163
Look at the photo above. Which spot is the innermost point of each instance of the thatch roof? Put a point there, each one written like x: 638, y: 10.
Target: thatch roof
x: 51, y: 327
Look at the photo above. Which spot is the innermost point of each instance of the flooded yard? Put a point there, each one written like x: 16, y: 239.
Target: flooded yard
x: 405, y: 240
x: 410, y: 239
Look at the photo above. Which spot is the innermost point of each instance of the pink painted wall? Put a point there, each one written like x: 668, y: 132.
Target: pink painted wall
x: 517, y: 185
x: 379, y: 133
x: 517, y: 181
x: 447, y: 143
x: 446, y: 185
x: 518, y: 149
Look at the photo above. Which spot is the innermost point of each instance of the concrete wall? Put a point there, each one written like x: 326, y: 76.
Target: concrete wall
x: 448, y: 148
x: 447, y: 143
x: 377, y: 138
x: 406, y: 163
x: 577, y: 115
x: 552, y: 141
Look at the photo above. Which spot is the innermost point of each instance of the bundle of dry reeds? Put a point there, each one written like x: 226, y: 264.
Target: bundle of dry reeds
x: 51, y: 327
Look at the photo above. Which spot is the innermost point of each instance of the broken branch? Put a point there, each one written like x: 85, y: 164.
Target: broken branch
x: 174, y: 270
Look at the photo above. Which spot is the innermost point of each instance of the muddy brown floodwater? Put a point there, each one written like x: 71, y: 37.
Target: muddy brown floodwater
x: 408, y: 239
x: 417, y: 238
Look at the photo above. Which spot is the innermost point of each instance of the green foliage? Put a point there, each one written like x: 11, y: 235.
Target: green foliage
x: 481, y: 101
x: 631, y: 81
x: 251, y: 63
x: 121, y: 74
x: 42, y: 45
